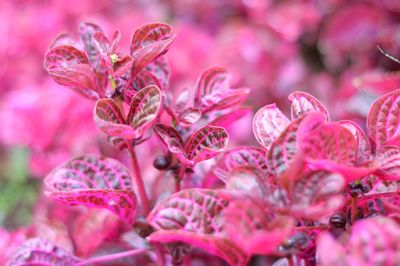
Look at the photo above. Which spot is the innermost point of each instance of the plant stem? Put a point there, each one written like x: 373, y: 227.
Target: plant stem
x: 139, y: 180
x: 290, y: 260
x: 179, y: 178
x: 354, y: 208
x: 111, y: 257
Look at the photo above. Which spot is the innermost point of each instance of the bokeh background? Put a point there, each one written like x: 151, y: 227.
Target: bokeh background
x: 325, y: 47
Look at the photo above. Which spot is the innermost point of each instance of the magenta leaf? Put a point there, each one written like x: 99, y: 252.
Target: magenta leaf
x: 195, y: 210
x: 245, y: 157
x: 388, y: 160
x: 283, y: 148
x: 254, y: 228
x: 101, y: 43
x: 143, y: 79
x: 145, y: 108
x: 363, y: 145
x: 87, y: 31
x: 149, y: 42
x: 69, y: 67
x: 216, y: 245
x: 330, y: 252
x: 171, y: 138
x: 384, y: 120
x: 62, y: 39
x: 94, y: 181
x: 39, y: 251
x: 160, y: 69
x: 189, y: 116
x: 206, y: 143
x: 109, y: 118
x: 303, y: 103
x: 213, y: 92
x: 331, y: 142
x: 268, y: 123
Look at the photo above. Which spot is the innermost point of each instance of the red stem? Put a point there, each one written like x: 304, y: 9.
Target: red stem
x: 290, y: 261
x: 139, y: 180
x: 111, y: 257
x: 179, y: 178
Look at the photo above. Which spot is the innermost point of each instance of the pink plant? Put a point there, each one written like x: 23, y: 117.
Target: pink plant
x: 306, y: 195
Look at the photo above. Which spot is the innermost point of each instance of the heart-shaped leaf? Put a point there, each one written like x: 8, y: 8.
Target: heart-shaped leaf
x: 384, y: 120
x: 144, y: 108
x: 94, y: 181
x: 39, y: 251
x: 196, y: 210
x: 303, y: 103
x: 268, y: 124
x: 148, y: 43
x: 215, y: 245
x: 206, y: 143
x: 109, y: 118
x: 253, y: 228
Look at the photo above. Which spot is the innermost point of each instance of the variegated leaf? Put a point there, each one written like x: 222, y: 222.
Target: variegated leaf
x: 206, y: 143
x: 223, y: 99
x: 148, y: 34
x: 172, y: 140
x: 226, y: 120
x: 268, y: 124
x: 195, y: 210
x: 94, y: 181
x: 39, y: 251
x: 64, y: 56
x: 383, y: 120
x: 144, y: 108
x: 86, y: 31
x: 388, y: 162
x: 216, y: 245
x: 303, y: 102
x: 212, y: 79
x: 363, y: 145
x: 109, y: 118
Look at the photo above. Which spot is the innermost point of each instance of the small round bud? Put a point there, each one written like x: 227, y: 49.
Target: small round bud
x: 161, y: 162
x: 338, y: 220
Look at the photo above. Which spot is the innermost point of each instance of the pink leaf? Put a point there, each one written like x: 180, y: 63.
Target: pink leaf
x: 122, y: 66
x: 62, y: 39
x: 206, y: 143
x: 86, y: 31
x: 189, y: 116
x: 253, y: 228
x: 64, y: 56
x: 378, y: 83
x: 160, y: 69
x: 388, y: 161
x: 268, y: 123
x: 283, y: 148
x: 247, y: 181
x: 144, y: 108
x: 213, y: 92
x: 149, y: 42
x: 39, y: 251
x: 330, y: 252
x: 143, y: 79
x: 363, y: 145
x: 331, y: 142
x: 384, y: 119
x: 215, y: 245
x: 303, y: 103
x: 245, y: 157
x: 94, y: 181
x: 212, y: 79
x: 109, y: 118
x: 101, y: 43
x: 196, y: 210
x: 171, y: 138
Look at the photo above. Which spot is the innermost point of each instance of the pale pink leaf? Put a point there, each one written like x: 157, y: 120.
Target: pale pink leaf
x: 268, y: 124
x: 216, y: 245
x: 223, y: 99
x: 101, y: 43
x: 145, y: 108
x: 363, y: 145
x: 303, y: 102
x: 196, y: 210
x: 142, y: 80
x: 86, y: 31
x: 189, y: 116
x: 64, y: 56
x: 148, y: 34
x: 387, y: 159
x: 94, y: 181
x: 248, y: 181
x: 383, y: 120
x: 226, y: 120
x: 330, y: 252
x: 172, y: 139
x: 39, y: 251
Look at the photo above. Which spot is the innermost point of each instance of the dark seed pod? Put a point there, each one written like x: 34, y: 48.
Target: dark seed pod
x: 161, y: 162
x: 338, y: 220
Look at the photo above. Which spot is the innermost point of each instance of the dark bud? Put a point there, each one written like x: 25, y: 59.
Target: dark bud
x: 338, y: 220
x: 161, y: 162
